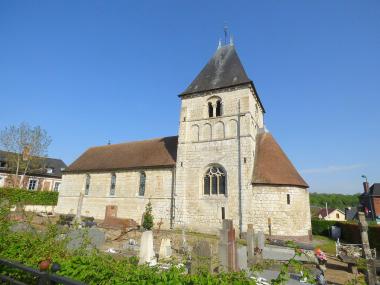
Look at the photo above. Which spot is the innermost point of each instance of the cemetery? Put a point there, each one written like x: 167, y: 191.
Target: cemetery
x: 253, y: 257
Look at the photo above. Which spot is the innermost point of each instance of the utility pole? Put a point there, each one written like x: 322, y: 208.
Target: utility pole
x: 239, y: 174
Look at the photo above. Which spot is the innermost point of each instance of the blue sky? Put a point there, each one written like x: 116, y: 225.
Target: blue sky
x: 93, y: 71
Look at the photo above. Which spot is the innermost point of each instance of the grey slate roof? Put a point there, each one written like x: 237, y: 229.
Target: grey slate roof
x: 223, y: 70
x: 56, y: 164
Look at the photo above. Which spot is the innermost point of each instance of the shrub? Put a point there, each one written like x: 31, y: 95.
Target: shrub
x: 351, y: 234
x: 26, y: 197
x: 148, y: 217
x: 321, y: 227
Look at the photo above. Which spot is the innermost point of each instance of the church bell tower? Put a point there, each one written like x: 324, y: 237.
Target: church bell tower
x: 221, y: 114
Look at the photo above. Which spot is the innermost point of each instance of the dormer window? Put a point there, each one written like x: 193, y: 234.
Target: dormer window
x: 49, y: 170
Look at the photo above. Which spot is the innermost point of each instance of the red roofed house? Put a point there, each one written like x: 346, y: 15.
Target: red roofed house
x: 331, y: 215
x: 223, y: 164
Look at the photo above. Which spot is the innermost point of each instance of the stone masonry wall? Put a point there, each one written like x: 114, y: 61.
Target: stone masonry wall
x: 204, y: 142
x: 130, y: 204
x: 291, y: 219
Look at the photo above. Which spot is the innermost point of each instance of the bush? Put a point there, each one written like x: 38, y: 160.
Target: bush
x: 148, y: 217
x: 26, y: 197
x: 321, y: 227
x: 95, y: 267
x: 351, y: 234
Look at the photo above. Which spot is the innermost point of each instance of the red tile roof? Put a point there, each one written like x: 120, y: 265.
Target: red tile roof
x: 272, y: 166
x: 160, y: 152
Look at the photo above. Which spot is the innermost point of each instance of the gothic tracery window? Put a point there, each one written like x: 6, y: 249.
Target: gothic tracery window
x: 214, y: 181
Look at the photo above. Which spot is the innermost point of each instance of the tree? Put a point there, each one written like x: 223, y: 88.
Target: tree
x: 148, y: 217
x: 26, y: 146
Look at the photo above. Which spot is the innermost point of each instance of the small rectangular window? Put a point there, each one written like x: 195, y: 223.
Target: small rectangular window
x: 87, y: 187
x: 113, y: 184
x: 32, y: 184
x: 3, y: 164
x: 288, y: 198
x: 223, y: 213
x: 142, y: 184
x: 245, y: 160
x: 56, y: 186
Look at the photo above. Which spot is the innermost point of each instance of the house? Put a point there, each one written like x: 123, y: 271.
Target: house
x: 351, y: 213
x: 45, y: 175
x: 224, y: 164
x: 331, y: 214
x: 370, y: 200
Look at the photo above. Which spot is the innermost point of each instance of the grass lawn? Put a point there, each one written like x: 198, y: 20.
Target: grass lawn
x: 324, y: 243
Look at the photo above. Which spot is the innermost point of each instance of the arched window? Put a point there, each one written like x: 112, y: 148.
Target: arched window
x: 142, y: 183
x: 219, y: 109
x: 214, y: 181
x: 210, y: 110
x: 113, y: 184
x: 87, y: 186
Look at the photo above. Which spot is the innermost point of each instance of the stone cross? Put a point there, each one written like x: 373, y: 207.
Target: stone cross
x: 227, y: 246
x: 79, y: 206
x: 159, y: 224
x: 371, y: 269
x: 251, y: 243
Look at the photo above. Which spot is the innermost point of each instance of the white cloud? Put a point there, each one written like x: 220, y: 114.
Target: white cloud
x: 333, y: 168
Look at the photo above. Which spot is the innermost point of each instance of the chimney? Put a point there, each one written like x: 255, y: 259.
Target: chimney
x: 366, y: 187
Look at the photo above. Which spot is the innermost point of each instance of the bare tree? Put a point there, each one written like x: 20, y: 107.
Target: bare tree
x: 27, y: 147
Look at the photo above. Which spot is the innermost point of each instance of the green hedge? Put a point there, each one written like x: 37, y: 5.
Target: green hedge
x: 26, y: 197
x: 321, y: 227
x: 350, y: 231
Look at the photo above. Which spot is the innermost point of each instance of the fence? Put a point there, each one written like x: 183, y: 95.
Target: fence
x: 42, y: 278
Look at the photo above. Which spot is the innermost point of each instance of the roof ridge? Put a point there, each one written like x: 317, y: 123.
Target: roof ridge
x: 130, y: 142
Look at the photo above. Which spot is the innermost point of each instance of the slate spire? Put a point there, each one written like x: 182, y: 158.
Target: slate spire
x: 224, y: 69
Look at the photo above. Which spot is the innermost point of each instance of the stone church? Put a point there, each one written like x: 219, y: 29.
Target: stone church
x: 223, y: 164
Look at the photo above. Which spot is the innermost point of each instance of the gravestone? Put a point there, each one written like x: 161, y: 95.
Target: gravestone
x: 90, y: 238
x: 165, y: 249
x: 79, y: 206
x: 241, y: 260
x: 371, y: 268
x: 21, y: 227
x: 251, y: 243
x: 111, y: 221
x: 147, y: 254
x: 111, y: 211
x: 227, y: 247
x: 260, y: 240
x: 201, y: 257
